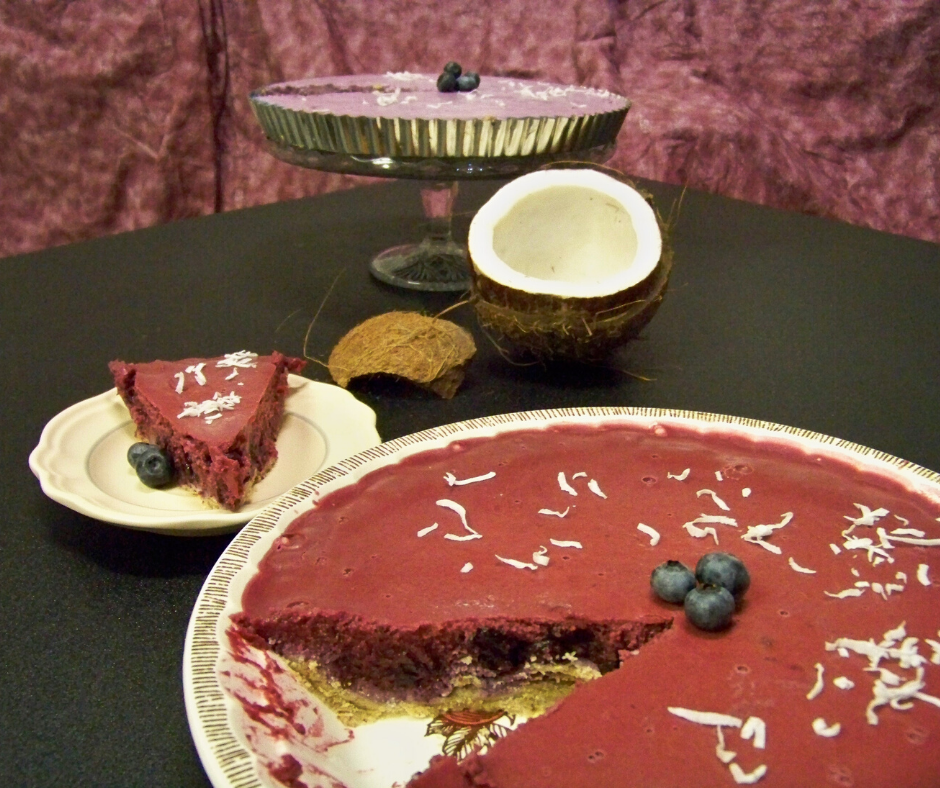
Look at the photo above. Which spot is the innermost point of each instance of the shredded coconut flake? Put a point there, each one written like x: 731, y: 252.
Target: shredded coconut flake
x: 822, y: 729
x: 563, y: 484
x: 465, y: 538
x: 426, y: 531
x: 835, y: 548
x: 755, y: 727
x: 771, y: 548
x: 913, y: 540
x: 756, y: 534
x: 217, y: 404
x: 454, y: 507
x: 454, y: 481
x: 869, y: 517
x: 747, y: 778
x: 846, y: 593
x: 196, y: 370
x: 895, y: 635
x: 540, y: 557
x: 746, y: 492
x: 563, y: 543
x: 680, y: 477
x: 652, y: 533
x: 843, y: 682
x: 466, y: 568
x: 889, y: 677
x: 718, y: 476
x: 385, y: 99
x: 935, y: 647
x: 180, y: 381
x: 462, y: 514
x: 404, y: 76
x: 718, y: 519
x: 725, y: 756
x: 241, y: 358
x: 922, y: 578
x: 718, y: 502
x: 819, y: 685
x: 797, y: 568
x: 595, y: 488
x: 517, y: 564
x: 909, y: 532
x: 579, y: 475
x: 701, y: 533
x: 553, y: 513
x: 706, y: 717
x: 893, y: 588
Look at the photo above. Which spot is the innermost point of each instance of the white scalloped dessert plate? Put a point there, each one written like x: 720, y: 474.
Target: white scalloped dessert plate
x: 224, y: 676
x: 80, y: 460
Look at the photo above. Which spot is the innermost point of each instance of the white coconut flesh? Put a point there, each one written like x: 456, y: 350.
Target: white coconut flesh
x: 568, y: 233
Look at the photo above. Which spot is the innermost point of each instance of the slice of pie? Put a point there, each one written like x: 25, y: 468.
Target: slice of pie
x: 218, y: 418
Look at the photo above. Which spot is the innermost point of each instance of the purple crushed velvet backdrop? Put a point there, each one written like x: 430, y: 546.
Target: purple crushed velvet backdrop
x: 122, y: 115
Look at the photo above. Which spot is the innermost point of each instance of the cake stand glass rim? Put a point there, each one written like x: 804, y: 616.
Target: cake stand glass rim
x: 433, y: 168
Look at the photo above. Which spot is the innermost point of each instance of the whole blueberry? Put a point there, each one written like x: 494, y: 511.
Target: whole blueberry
x: 453, y: 68
x: 726, y: 570
x: 447, y: 82
x: 671, y: 581
x: 136, y: 451
x: 469, y: 81
x: 154, y: 468
x: 709, y: 607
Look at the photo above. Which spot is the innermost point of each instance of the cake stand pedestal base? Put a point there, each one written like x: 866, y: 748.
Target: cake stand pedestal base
x: 432, y: 265
x: 437, y: 263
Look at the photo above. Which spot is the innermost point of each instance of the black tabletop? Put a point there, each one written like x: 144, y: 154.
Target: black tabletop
x: 770, y: 315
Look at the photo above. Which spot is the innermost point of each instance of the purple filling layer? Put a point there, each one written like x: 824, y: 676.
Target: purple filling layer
x: 412, y: 96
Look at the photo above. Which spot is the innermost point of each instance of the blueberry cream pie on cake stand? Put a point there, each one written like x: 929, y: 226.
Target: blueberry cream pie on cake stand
x: 215, y: 420
x: 438, y: 128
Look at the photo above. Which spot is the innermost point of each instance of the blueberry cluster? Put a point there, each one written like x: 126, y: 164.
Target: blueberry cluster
x: 452, y: 78
x: 710, y: 595
x: 153, y: 466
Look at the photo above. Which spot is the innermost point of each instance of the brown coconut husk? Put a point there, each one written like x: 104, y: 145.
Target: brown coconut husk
x: 578, y: 329
x: 427, y: 351
x: 572, y: 328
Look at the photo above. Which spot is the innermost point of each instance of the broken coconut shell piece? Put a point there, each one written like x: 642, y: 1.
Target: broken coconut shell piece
x: 567, y: 263
x: 428, y: 351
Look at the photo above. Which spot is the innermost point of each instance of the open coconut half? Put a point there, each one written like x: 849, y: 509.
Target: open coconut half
x: 567, y: 263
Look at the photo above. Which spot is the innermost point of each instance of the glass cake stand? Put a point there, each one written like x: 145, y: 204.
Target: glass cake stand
x: 437, y: 263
